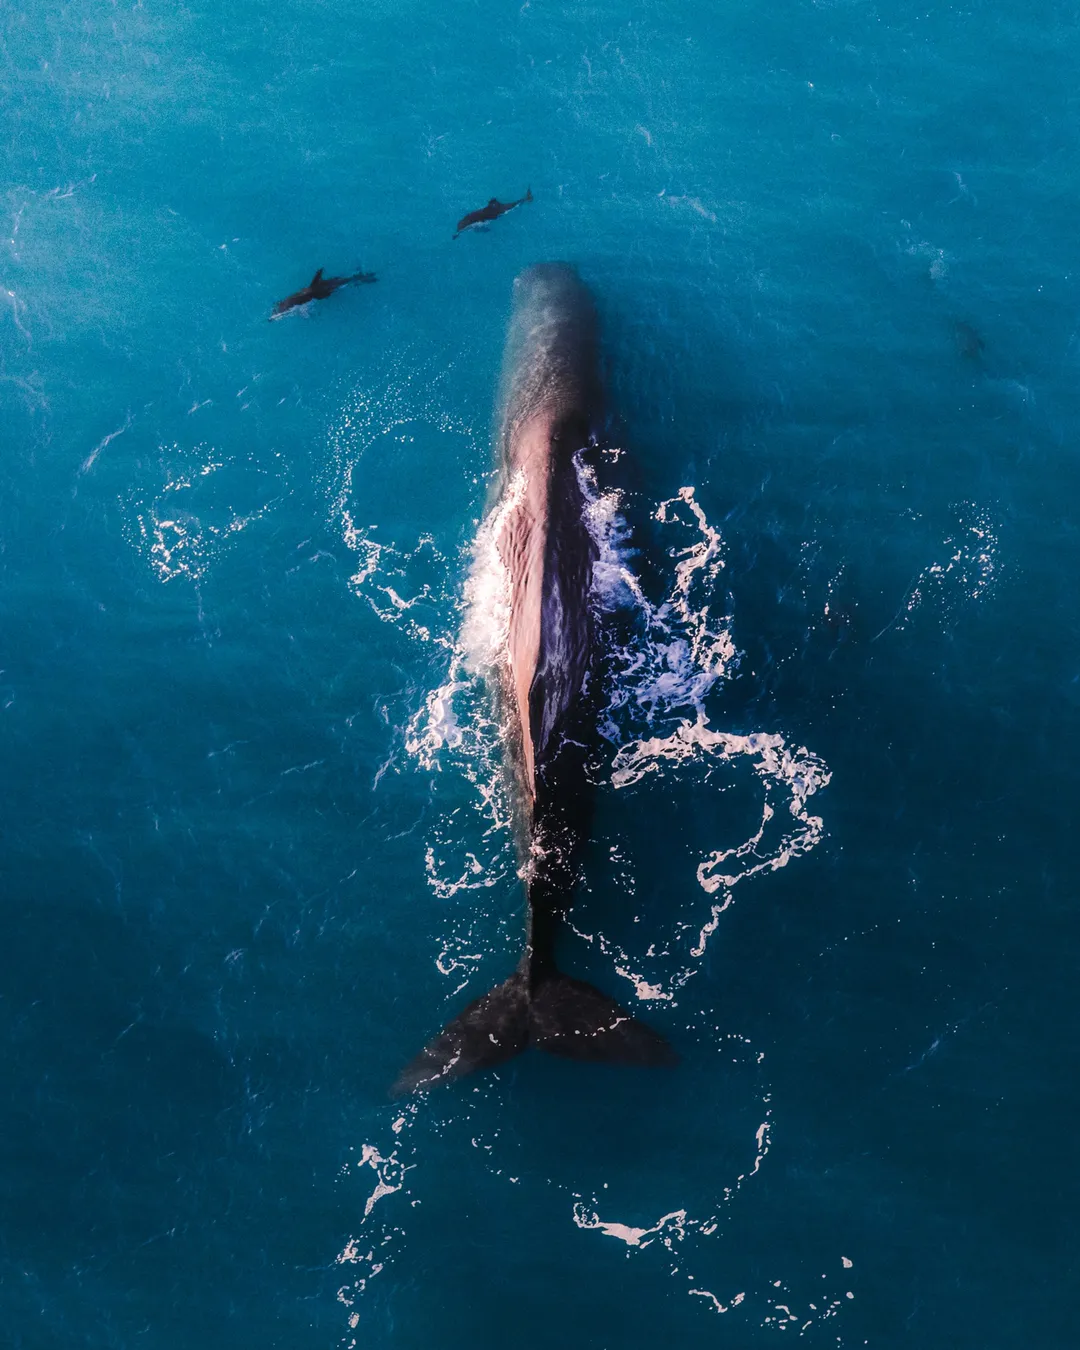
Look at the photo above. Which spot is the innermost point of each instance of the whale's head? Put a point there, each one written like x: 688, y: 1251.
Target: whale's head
x: 553, y: 309
x: 550, y: 283
x: 550, y: 362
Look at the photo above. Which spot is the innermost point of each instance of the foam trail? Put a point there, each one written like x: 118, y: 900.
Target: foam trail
x: 660, y: 681
x: 659, y: 678
x: 682, y: 1237
x: 679, y: 652
x: 89, y: 461
x: 798, y: 773
x: 184, y: 528
x: 371, y: 1245
x: 664, y: 661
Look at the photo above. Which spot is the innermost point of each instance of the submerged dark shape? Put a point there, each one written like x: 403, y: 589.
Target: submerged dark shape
x: 492, y: 211
x: 969, y: 343
x: 550, y: 405
x: 318, y: 288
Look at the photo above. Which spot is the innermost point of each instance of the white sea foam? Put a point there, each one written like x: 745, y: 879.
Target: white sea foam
x: 664, y: 659
x: 661, y: 679
x: 184, y: 527
x: 417, y: 588
x: 668, y: 1229
x: 373, y: 1241
x: 410, y: 586
x: 678, y: 651
x: 485, y: 623
x: 793, y: 774
x: 681, y: 1237
x: 964, y: 571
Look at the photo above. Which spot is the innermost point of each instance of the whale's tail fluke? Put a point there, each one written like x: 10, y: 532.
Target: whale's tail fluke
x: 557, y: 1014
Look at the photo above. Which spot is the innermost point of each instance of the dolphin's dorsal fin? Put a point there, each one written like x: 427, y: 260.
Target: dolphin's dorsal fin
x: 316, y: 278
x: 494, y: 201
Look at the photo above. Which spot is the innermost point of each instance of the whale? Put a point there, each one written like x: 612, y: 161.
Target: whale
x: 547, y: 687
x: 492, y: 211
x: 318, y: 288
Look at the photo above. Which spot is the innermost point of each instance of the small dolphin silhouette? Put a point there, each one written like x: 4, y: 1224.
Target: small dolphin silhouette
x: 318, y: 288
x: 492, y: 211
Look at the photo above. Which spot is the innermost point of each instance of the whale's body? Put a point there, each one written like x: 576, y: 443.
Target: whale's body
x: 551, y: 406
x: 551, y: 409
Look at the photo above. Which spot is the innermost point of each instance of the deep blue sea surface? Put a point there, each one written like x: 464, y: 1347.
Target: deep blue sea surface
x: 255, y: 843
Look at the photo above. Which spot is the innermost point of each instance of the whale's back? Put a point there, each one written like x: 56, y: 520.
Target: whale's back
x: 550, y: 402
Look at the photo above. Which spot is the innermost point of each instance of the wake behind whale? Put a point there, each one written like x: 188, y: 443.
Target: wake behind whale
x: 550, y: 408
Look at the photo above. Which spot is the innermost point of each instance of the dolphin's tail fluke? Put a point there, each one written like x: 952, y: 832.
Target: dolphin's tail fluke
x: 528, y: 194
x: 557, y: 1014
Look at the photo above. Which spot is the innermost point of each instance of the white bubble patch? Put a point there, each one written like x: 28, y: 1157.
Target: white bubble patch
x: 663, y: 661
x: 183, y: 528
x: 964, y: 571
x: 678, y: 653
x: 372, y: 1244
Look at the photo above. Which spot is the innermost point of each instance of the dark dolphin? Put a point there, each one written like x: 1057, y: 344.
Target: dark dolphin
x: 492, y: 211
x: 550, y: 406
x: 318, y: 288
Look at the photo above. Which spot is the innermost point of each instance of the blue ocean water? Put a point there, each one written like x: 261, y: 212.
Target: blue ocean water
x: 255, y: 850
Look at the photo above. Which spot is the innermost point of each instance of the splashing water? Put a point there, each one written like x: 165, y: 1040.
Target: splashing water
x: 662, y: 663
x: 660, y: 680
x: 678, y: 652
x: 182, y: 530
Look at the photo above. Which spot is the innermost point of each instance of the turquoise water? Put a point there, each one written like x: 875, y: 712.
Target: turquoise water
x: 254, y: 857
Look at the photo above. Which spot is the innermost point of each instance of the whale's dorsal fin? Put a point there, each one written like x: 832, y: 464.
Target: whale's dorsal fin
x: 316, y: 278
